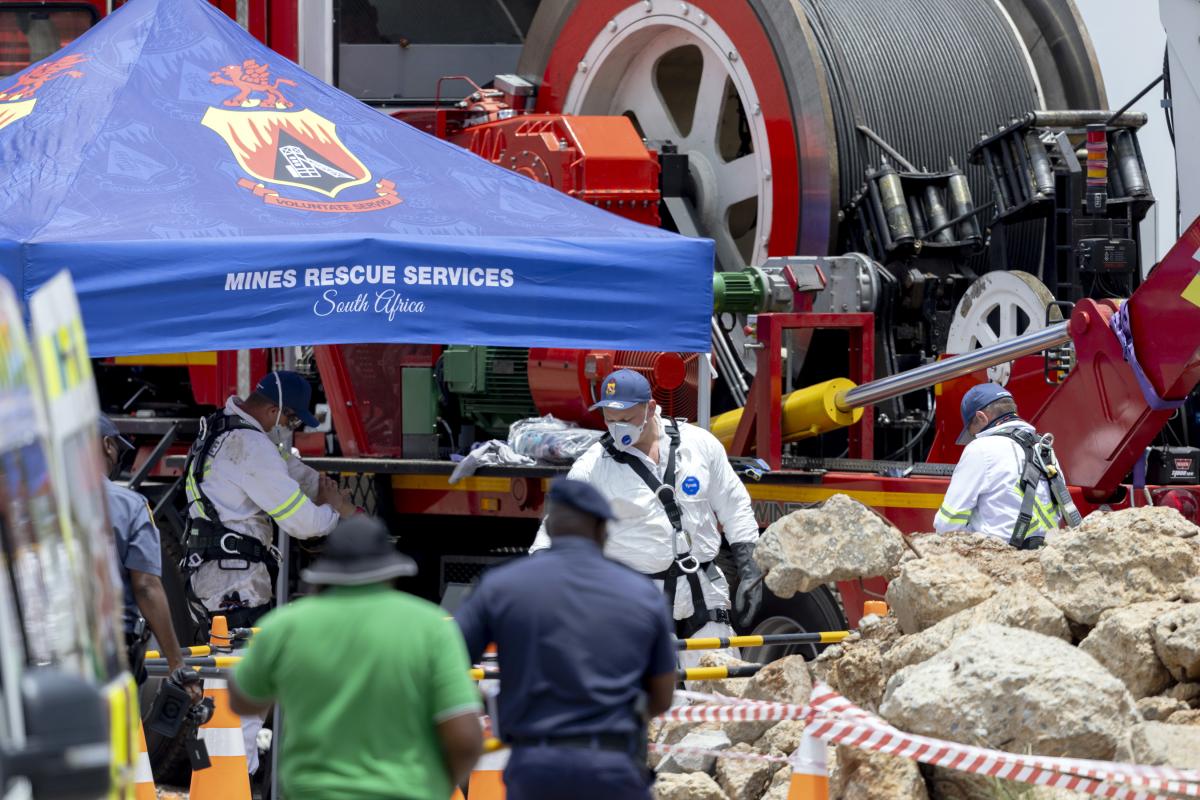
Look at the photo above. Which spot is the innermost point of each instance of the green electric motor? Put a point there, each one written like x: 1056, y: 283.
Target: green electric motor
x: 491, y: 385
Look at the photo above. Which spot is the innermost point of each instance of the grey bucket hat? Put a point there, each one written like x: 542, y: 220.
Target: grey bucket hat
x: 357, y: 552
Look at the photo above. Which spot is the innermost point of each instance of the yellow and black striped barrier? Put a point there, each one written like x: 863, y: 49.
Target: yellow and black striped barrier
x: 715, y: 643
x: 689, y: 674
x: 718, y: 673
x: 236, y: 635
x: 194, y: 652
x: 211, y: 662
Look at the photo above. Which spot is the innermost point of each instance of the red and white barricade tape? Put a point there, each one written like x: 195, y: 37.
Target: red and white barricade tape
x: 834, y: 719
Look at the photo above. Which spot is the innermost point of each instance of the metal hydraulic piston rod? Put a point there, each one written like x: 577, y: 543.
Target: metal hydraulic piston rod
x: 837, y: 403
x: 954, y: 367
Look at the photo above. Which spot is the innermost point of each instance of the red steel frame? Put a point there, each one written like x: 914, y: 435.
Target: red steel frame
x: 763, y: 414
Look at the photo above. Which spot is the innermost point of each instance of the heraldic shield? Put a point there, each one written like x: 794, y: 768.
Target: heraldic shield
x: 292, y: 148
x: 17, y: 101
x: 275, y: 143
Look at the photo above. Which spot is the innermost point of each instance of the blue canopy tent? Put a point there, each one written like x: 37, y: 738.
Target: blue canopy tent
x: 206, y: 193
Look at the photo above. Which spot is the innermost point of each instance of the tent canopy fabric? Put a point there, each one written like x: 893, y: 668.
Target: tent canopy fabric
x: 206, y: 193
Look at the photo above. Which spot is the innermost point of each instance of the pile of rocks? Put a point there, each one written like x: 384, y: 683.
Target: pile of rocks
x: 1089, y: 648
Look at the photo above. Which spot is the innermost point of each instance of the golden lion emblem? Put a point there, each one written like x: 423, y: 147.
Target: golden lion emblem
x: 251, y: 78
x: 28, y: 84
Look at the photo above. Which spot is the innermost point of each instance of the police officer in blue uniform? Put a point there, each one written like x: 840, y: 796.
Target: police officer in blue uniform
x: 139, y: 563
x: 586, y: 656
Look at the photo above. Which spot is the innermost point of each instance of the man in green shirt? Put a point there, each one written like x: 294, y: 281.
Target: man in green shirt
x: 373, y: 682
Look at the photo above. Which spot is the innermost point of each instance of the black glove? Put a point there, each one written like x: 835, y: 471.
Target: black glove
x: 748, y: 601
x: 189, y: 680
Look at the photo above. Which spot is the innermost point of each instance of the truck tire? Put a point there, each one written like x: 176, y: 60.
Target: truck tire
x: 811, y: 612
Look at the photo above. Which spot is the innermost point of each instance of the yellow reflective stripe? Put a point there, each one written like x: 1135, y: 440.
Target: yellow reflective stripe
x: 299, y: 503
x: 193, y: 495
x: 954, y: 516
x: 1041, y: 512
x: 293, y: 498
x: 1052, y: 514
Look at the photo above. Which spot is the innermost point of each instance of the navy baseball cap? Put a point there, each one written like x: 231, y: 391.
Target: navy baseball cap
x: 108, y: 430
x: 291, y: 391
x: 582, y: 496
x: 623, y: 389
x: 975, y: 400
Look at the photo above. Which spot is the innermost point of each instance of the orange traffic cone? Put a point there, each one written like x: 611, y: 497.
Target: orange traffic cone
x: 810, y: 774
x: 875, y: 607
x: 143, y: 776
x: 228, y: 778
x: 218, y: 633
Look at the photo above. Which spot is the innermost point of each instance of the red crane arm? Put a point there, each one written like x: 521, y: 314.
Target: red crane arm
x: 1102, y: 416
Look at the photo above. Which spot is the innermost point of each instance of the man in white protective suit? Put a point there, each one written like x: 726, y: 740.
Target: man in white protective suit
x: 674, y: 490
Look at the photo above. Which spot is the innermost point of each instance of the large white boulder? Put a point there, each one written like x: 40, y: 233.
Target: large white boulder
x: 1015, y: 690
x: 1119, y: 558
x: 1177, y: 641
x: 1019, y: 606
x: 932, y: 588
x: 839, y: 540
x: 1123, y: 642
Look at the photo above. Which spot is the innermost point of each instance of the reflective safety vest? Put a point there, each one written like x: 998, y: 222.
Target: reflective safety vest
x: 1033, y: 523
x: 999, y: 485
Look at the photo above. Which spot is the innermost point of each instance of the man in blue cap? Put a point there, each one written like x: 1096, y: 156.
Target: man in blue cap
x: 1007, y: 483
x: 242, y: 481
x: 586, y: 657
x: 682, y: 494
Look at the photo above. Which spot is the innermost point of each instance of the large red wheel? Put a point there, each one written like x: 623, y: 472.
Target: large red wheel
x: 694, y: 73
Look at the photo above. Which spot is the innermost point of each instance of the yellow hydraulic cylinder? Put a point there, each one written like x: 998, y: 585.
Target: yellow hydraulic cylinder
x: 806, y: 412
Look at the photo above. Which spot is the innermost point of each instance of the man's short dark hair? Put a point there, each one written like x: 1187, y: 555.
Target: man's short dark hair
x: 1005, y: 405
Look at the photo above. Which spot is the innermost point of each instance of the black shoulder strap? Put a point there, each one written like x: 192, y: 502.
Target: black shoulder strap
x: 1031, y: 475
x: 664, y: 490
x: 212, y: 428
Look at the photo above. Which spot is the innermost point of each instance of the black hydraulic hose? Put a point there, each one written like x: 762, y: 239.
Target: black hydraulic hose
x: 931, y: 414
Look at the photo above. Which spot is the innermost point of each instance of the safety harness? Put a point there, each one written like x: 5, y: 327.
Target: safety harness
x: 1040, y: 464
x: 686, y: 565
x: 207, y: 539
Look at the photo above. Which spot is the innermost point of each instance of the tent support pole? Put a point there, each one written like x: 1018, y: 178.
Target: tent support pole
x: 243, y: 373
x: 704, y: 400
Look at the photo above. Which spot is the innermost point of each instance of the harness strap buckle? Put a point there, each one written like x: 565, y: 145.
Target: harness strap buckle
x: 688, y: 564
x: 226, y: 548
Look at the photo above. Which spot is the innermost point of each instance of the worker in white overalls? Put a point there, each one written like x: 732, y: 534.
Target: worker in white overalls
x: 242, y: 481
x: 1007, y: 484
x: 675, y: 491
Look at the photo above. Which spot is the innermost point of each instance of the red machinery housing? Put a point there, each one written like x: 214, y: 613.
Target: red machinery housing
x: 564, y: 382
x: 383, y: 400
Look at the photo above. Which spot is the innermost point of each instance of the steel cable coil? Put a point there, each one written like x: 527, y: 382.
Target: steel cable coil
x: 928, y: 76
